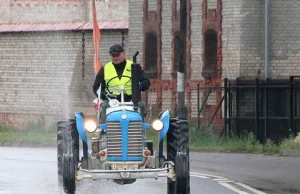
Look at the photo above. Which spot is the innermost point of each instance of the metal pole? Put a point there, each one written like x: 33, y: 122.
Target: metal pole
x: 225, y: 106
x: 291, y: 120
x: 182, y: 61
x: 264, y: 133
x: 237, y: 106
x: 267, y: 5
x: 256, y: 132
x: 229, y: 109
x: 198, y: 105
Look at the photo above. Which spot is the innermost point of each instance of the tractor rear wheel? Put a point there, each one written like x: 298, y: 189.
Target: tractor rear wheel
x: 178, y: 152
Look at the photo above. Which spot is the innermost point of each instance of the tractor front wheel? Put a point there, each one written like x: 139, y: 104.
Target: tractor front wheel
x: 67, y: 152
x: 69, y: 182
x: 178, y: 153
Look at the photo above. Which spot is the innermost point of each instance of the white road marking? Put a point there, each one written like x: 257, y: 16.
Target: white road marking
x: 249, y: 188
x: 224, y: 182
x: 221, y: 179
x: 198, y: 176
x: 208, y: 175
x: 233, y: 188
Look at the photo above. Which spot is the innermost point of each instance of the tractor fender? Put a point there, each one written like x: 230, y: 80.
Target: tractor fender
x: 165, y: 118
x: 80, y: 128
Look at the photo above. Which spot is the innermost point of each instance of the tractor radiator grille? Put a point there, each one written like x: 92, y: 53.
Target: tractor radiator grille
x: 114, y: 139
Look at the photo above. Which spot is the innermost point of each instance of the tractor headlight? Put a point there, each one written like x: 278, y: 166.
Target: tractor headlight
x: 157, y: 125
x: 90, y: 126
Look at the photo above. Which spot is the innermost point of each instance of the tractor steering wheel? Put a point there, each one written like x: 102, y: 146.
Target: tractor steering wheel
x: 111, y: 89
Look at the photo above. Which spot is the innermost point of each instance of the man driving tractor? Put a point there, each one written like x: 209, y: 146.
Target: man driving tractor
x: 121, y: 67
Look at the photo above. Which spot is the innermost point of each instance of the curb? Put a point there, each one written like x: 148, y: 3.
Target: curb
x: 291, y: 153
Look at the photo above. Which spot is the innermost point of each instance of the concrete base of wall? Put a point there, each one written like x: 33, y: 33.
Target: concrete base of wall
x: 291, y: 153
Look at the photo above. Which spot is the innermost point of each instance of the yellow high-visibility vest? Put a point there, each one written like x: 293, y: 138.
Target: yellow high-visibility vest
x: 110, y: 72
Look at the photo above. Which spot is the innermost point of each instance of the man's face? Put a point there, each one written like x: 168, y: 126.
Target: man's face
x: 118, y: 57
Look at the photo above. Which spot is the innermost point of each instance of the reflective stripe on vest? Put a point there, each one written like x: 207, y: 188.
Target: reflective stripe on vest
x: 110, y: 72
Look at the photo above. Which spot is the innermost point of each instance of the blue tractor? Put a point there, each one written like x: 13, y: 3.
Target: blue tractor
x: 119, y: 149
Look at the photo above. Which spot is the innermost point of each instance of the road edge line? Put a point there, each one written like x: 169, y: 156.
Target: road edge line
x: 250, y: 188
x: 228, y: 186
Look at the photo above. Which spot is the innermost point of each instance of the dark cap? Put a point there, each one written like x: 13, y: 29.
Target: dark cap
x: 116, y: 49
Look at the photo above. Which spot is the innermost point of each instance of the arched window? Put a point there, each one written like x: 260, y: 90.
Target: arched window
x: 151, y: 54
x: 177, y: 42
x: 210, y: 53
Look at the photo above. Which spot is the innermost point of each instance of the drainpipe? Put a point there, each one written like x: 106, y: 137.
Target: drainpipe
x: 267, y: 6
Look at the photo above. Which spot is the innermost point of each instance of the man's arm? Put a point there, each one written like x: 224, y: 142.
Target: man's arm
x: 144, y: 81
x: 99, y: 79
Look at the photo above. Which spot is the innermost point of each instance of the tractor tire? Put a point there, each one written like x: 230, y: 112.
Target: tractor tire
x: 182, y: 173
x: 178, y: 152
x: 75, y: 140
x: 67, y: 143
x: 69, y: 183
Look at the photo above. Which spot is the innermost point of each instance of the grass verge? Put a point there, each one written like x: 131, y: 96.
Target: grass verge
x: 208, y: 140
x: 34, y: 134
x: 205, y: 140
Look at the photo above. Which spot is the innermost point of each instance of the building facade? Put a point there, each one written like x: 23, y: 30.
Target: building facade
x: 42, y: 67
x: 225, y: 40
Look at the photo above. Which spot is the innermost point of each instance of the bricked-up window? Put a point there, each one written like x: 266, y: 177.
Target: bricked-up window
x: 151, y: 54
x: 177, y: 41
x: 210, y: 53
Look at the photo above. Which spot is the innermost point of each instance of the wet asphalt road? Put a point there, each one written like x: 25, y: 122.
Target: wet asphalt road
x: 271, y: 174
x: 34, y: 171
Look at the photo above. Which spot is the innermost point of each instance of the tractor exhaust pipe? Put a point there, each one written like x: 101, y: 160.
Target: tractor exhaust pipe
x: 134, y: 56
x: 135, y: 77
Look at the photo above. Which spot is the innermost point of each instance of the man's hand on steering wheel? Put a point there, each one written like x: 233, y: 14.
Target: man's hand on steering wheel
x: 109, y: 88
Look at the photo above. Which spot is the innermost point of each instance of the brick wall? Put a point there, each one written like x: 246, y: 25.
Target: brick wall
x: 211, y: 4
x: 152, y: 5
x: 284, y: 38
x: 28, y: 11
x: 42, y: 73
x: 108, y: 10
x: 231, y: 33
x: 243, y: 39
x: 196, y: 40
x: 252, y: 39
x: 4, y: 11
x: 166, y: 38
x: 135, y: 33
x: 196, y: 50
x: 167, y: 102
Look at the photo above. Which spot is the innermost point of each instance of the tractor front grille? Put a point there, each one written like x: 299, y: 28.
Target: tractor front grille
x: 134, y: 143
x: 135, y: 139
